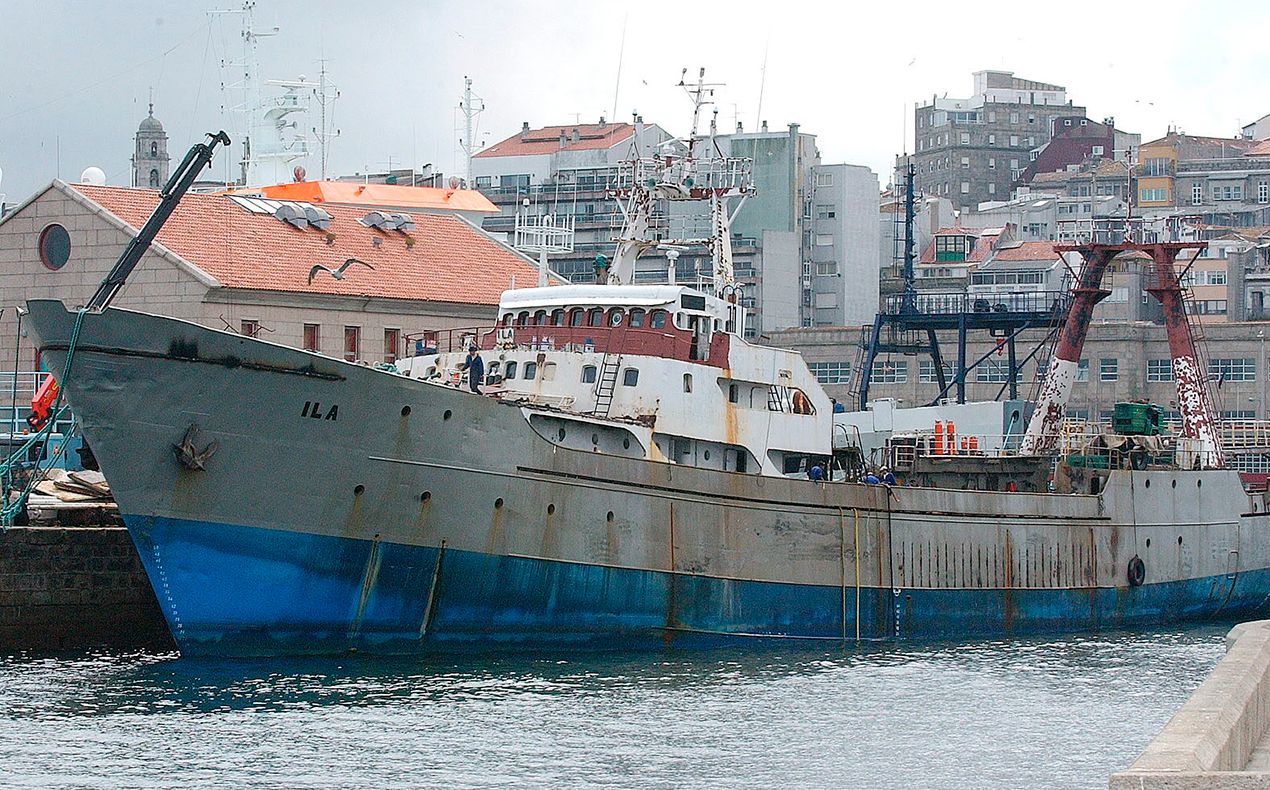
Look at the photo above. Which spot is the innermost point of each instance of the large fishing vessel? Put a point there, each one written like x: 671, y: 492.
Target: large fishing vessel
x: 634, y: 472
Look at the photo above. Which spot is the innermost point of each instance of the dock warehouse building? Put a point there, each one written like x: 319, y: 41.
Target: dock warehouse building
x: 247, y: 264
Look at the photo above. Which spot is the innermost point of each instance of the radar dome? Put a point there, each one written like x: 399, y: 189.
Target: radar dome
x: 93, y: 175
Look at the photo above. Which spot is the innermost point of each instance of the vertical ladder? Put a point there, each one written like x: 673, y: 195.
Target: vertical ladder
x: 606, y: 383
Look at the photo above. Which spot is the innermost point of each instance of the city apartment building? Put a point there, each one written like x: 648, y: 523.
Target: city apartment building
x: 975, y: 149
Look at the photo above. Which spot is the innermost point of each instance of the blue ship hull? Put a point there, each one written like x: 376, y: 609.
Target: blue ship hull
x: 245, y: 591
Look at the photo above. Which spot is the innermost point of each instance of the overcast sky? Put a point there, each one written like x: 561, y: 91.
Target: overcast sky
x: 75, y: 76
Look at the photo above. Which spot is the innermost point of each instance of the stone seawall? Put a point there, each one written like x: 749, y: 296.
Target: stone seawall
x: 1220, y: 737
x: 73, y: 588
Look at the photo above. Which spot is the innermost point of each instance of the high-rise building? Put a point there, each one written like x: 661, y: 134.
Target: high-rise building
x: 974, y: 150
x: 150, y: 160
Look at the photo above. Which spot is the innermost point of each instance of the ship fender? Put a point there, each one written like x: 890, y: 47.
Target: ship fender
x: 1137, y: 571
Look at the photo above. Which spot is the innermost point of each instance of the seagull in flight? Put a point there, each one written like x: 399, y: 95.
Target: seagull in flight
x: 337, y: 274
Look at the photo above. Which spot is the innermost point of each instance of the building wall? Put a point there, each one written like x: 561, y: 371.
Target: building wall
x: 161, y: 285
x: 845, y: 284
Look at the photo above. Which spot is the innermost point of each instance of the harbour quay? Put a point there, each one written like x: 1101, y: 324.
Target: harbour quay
x: 73, y: 588
x: 1220, y: 737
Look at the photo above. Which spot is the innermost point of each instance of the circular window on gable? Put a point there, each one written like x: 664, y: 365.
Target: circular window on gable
x: 55, y: 246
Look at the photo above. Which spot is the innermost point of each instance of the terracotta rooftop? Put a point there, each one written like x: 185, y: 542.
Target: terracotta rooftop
x: 1260, y: 149
x: 547, y: 139
x: 449, y: 260
x: 397, y: 196
x: 1027, y: 251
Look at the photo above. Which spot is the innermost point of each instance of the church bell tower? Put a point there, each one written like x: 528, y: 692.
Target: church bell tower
x: 150, y: 161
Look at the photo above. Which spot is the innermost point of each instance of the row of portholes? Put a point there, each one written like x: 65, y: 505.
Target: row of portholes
x: 1147, y: 483
x: 426, y: 497
x: 1179, y: 541
x: 595, y: 438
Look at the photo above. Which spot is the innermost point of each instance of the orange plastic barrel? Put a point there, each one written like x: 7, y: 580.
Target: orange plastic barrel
x: 938, y: 448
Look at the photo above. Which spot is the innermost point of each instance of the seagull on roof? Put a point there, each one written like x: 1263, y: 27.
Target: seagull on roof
x: 337, y: 274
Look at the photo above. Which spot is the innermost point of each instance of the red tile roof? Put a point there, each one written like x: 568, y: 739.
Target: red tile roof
x: 397, y: 196
x: 449, y: 261
x: 547, y: 139
x: 1260, y: 149
x: 1027, y: 251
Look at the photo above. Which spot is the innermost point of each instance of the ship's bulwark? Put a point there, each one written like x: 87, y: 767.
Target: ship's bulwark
x: 344, y: 507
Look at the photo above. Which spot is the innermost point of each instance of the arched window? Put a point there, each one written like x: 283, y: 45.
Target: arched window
x: 523, y: 318
x: 596, y: 318
x: 154, y: 179
x: 540, y: 318
x: 588, y: 374
x: 658, y: 319
x: 575, y: 317
x: 154, y: 149
x: 637, y: 316
x: 557, y: 318
x: 531, y: 370
x: 510, y: 371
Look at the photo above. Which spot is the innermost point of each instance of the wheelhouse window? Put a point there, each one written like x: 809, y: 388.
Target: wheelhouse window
x: 588, y: 374
x: 531, y: 370
x: 596, y: 317
x: 540, y: 318
x: 557, y: 318
x: 352, y: 343
x: 630, y: 377
x: 523, y: 318
x: 575, y: 317
x: 637, y: 317
x: 510, y: 370
x: 312, y: 337
x: 658, y: 319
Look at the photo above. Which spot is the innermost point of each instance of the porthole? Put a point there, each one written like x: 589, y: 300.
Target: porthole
x: 1148, y: 543
x: 405, y: 411
x: 608, y: 516
x: 706, y: 455
x: 1146, y: 484
x: 595, y: 438
x: 359, y: 489
x: 55, y: 246
x: 626, y: 442
x: 1179, y: 540
x: 1175, y: 483
x: 447, y: 414
x: 426, y: 496
x: 551, y: 509
x: 560, y: 433
x: 1199, y: 483
x: 498, y: 503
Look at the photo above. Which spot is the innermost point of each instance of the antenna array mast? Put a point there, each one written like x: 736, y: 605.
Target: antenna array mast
x: 690, y: 173
x: 471, y: 107
x: 325, y: 95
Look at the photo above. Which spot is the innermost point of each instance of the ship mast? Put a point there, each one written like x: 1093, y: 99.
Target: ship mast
x: 698, y: 171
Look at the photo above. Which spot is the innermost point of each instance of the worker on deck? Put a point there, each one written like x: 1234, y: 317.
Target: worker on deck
x: 816, y: 473
x: 475, y: 368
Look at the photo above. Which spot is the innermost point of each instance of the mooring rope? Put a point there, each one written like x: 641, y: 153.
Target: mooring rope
x: 12, y: 507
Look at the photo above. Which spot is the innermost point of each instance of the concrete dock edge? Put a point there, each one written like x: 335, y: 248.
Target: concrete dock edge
x: 1218, y: 738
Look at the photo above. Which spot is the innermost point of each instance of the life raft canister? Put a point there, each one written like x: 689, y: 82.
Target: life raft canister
x: 1137, y: 571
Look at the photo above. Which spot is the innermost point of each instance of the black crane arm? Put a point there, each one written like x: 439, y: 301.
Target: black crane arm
x: 198, y: 157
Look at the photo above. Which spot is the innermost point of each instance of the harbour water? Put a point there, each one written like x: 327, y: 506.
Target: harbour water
x: 1057, y: 713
